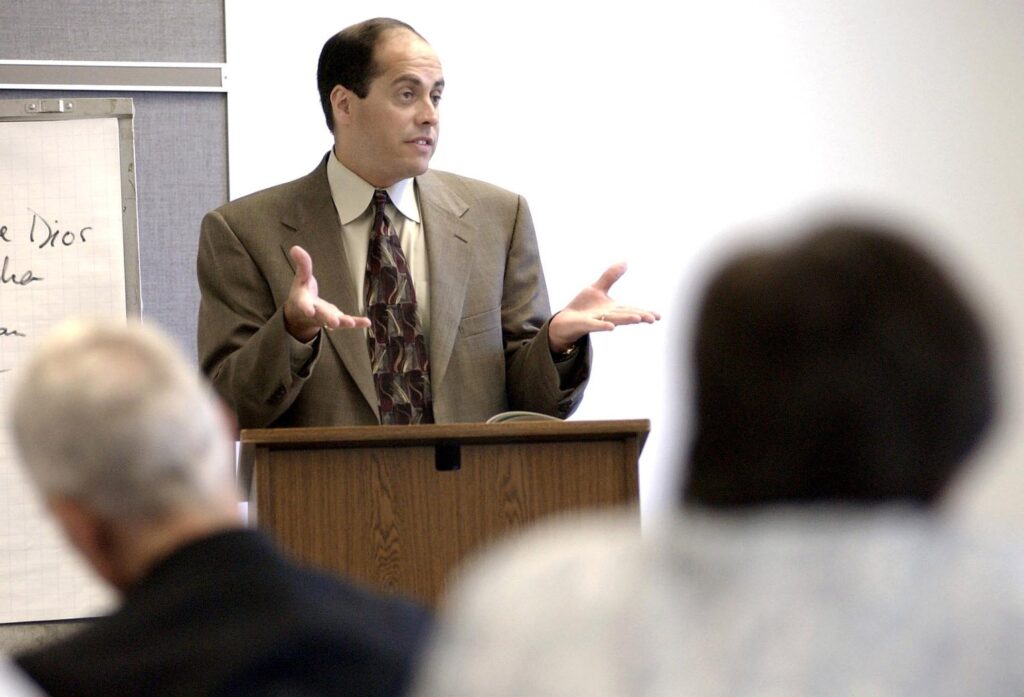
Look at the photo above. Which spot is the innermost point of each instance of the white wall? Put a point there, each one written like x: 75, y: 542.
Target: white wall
x: 649, y: 134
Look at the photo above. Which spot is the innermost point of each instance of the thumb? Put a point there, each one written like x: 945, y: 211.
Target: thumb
x: 303, y: 264
x: 612, y: 274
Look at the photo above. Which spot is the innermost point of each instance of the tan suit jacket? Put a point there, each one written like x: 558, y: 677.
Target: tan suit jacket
x: 489, y: 309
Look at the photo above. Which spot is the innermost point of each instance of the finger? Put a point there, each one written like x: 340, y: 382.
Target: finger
x: 327, y: 314
x: 618, y: 318
x: 303, y: 264
x: 612, y: 274
x: 353, y: 322
x: 330, y: 317
x: 633, y: 315
x: 600, y: 323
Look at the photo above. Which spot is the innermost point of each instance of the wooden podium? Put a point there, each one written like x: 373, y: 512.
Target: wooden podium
x: 398, y: 507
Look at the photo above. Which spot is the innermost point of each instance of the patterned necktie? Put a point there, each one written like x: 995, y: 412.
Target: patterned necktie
x: 398, y: 349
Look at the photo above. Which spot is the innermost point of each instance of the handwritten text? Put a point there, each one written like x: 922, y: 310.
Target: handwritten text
x: 24, y: 279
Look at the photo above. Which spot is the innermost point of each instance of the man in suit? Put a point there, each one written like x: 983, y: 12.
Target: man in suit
x: 132, y: 453
x: 286, y: 348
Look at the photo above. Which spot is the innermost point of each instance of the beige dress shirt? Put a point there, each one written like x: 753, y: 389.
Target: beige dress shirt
x: 353, y: 199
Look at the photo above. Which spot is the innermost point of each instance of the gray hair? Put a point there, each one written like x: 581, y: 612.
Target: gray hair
x: 114, y: 417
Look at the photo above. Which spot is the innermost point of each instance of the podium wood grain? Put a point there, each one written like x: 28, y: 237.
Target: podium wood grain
x: 371, y: 503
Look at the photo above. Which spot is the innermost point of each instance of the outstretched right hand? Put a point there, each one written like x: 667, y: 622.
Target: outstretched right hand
x: 305, y: 312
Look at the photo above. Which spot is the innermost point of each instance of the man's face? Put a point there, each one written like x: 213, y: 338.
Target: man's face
x: 392, y: 133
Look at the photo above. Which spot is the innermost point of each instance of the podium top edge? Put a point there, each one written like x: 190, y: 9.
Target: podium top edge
x: 429, y: 434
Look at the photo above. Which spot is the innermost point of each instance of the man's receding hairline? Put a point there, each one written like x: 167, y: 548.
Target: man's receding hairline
x: 376, y: 69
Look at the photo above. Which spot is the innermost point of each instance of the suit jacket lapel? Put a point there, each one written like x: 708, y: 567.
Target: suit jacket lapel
x: 316, y: 220
x: 448, y: 255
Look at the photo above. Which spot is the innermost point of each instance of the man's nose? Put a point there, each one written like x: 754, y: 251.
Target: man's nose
x: 428, y: 112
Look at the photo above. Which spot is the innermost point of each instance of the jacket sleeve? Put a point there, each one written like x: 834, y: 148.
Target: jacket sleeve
x: 256, y: 366
x: 533, y: 381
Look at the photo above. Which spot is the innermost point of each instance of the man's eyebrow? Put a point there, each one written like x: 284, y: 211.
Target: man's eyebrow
x: 415, y: 80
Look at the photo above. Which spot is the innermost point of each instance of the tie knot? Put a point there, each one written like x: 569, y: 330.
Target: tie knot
x: 380, y: 198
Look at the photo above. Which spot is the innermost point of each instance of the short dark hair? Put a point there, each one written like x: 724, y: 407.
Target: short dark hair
x: 347, y: 59
x: 843, y: 366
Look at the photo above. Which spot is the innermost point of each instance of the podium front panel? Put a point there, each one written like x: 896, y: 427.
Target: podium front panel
x: 388, y: 517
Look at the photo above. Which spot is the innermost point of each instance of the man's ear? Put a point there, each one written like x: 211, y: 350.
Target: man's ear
x: 91, y: 535
x: 341, y: 104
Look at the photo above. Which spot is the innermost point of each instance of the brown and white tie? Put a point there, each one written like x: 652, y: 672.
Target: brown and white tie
x: 398, y: 348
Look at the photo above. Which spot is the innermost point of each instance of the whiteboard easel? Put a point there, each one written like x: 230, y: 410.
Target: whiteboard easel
x: 68, y: 248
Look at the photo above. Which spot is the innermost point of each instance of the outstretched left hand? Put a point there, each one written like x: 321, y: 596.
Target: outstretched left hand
x: 593, y: 310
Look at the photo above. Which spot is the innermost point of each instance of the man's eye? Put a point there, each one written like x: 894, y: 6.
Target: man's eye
x: 436, y: 99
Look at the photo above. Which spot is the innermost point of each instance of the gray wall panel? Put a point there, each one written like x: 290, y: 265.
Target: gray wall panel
x: 181, y: 154
x: 113, y: 30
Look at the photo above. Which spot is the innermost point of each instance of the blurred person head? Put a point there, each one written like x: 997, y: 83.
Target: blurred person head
x: 129, y: 448
x: 843, y: 365
x: 380, y: 87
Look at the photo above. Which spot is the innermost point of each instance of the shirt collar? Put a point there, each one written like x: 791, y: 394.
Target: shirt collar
x: 352, y: 195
